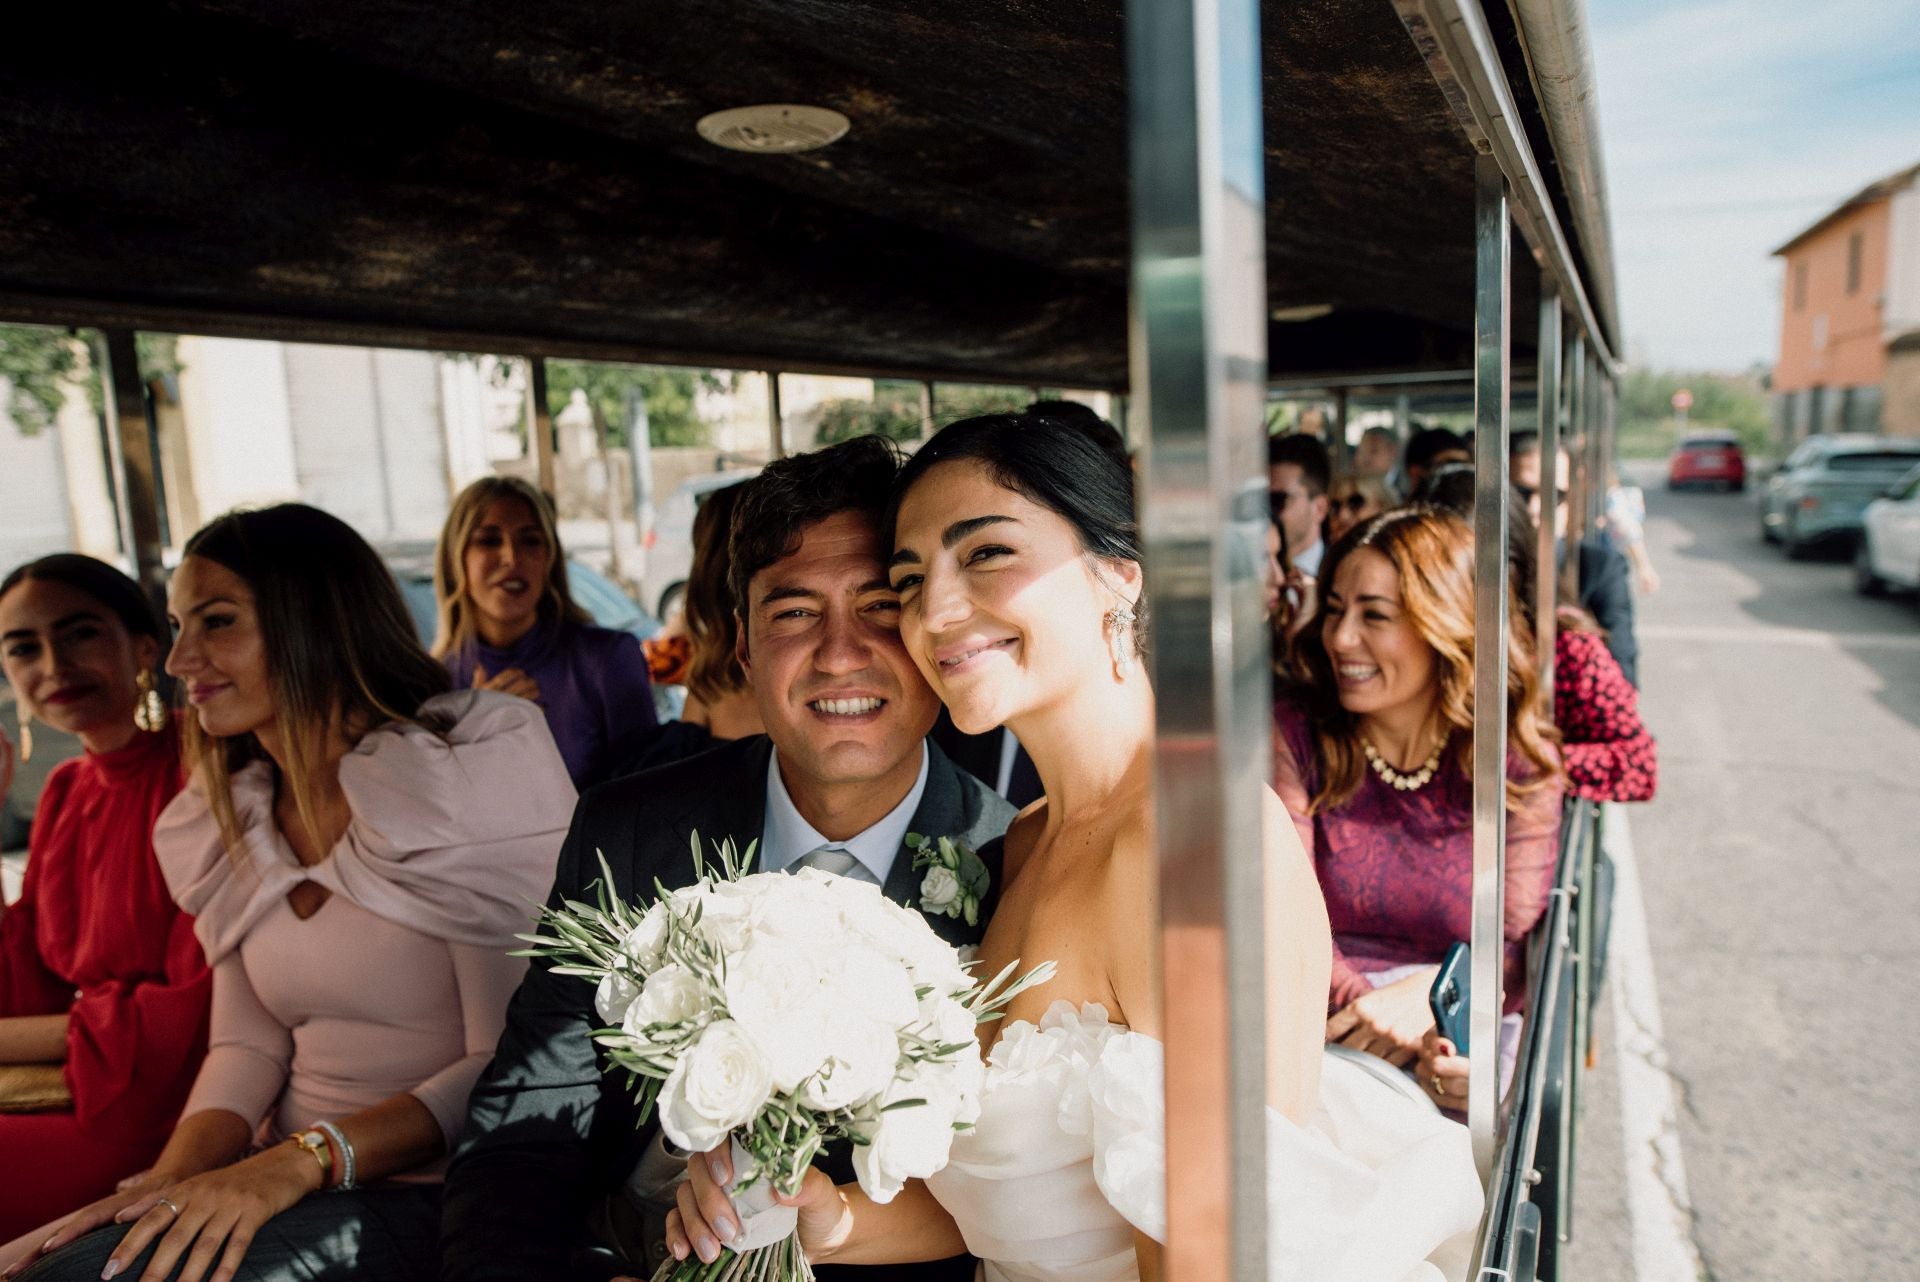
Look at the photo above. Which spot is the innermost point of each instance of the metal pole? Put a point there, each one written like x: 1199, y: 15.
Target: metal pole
x: 926, y: 410
x: 776, y: 422
x: 1547, y: 397
x: 1492, y: 376
x: 1198, y: 348
x: 540, y: 427
x: 1342, y: 451
x: 1576, y: 435
x: 135, y: 456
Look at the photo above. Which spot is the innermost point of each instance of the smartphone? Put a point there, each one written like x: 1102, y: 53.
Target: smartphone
x: 1449, y: 996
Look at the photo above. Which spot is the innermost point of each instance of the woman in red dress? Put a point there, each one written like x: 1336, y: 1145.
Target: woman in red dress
x: 99, y: 969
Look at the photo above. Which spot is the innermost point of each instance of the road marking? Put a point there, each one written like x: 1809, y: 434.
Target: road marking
x: 1658, y: 1202
x: 1760, y: 634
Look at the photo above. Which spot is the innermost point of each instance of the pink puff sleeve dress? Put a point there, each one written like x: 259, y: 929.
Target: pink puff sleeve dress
x: 399, y: 982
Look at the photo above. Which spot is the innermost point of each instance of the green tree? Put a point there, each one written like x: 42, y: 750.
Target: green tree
x: 672, y: 418
x: 1649, y: 426
x: 894, y: 412
x: 40, y: 363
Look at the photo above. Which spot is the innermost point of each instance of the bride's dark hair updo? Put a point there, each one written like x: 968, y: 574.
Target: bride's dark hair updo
x: 1049, y: 461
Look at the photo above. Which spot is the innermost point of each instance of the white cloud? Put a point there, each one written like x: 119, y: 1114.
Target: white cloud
x: 1728, y: 127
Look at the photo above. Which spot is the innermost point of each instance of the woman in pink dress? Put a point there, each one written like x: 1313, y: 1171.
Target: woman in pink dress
x: 359, y: 846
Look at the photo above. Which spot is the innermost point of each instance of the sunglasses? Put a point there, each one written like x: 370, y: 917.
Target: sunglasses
x: 1354, y: 503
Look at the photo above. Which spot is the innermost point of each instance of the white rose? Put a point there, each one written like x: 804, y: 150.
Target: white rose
x: 777, y: 993
x: 863, y: 979
x: 671, y: 995
x: 646, y: 943
x: 905, y: 934
x: 614, y: 995
x: 861, y: 1065
x: 719, y: 1084
x: 907, y: 1144
x: 945, y: 1021
x: 939, y: 890
x: 727, y: 917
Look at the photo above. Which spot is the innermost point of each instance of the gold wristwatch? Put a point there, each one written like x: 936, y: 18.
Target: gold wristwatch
x: 315, y: 1142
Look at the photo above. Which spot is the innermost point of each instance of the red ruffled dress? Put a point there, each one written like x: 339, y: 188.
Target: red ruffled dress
x: 96, y: 935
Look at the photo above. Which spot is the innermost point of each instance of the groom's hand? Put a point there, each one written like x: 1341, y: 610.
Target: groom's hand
x: 704, y: 1218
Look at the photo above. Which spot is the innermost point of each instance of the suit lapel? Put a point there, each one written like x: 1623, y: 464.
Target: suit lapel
x: 938, y: 815
x: 731, y: 804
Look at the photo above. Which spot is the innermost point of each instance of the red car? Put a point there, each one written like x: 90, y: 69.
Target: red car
x: 1707, y: 458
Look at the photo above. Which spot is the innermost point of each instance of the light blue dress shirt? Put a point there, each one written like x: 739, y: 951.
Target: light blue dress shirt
x: 789, y: 838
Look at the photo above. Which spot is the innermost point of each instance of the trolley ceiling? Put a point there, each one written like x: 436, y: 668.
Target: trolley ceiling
x: 493, y: 175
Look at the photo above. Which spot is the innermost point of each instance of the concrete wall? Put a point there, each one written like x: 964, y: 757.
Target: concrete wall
x: 1830, y: 336
x: 1900, y: 395
x: 33, y: 490
x: 369, y: 444
x: 239, y: 424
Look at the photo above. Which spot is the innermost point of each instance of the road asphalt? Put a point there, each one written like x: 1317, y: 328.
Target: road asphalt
x: 1778, y: 868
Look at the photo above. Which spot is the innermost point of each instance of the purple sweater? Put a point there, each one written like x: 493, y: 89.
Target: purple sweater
x: 593, y: 688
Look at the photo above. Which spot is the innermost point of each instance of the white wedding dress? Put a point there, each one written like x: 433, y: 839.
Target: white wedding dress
x: 1068, y: 1159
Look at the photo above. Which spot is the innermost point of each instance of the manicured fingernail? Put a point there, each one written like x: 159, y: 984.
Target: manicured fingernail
x: 725, y: 1228
x: 707, y: 1248
x: 106, y: 1274
x: 718, y: 1165
x: 679, y: 1250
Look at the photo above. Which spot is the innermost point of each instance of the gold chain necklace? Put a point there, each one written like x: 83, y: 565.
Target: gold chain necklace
x: 1393, y: 778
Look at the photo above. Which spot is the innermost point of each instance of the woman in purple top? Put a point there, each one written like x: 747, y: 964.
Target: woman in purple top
x: 507, y: 622
x: 1374, y: 763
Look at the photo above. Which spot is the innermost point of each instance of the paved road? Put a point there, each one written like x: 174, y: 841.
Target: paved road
x: 1780, y: 870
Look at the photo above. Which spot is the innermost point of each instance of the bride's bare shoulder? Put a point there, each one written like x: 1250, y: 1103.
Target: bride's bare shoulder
x: 1023, y: 834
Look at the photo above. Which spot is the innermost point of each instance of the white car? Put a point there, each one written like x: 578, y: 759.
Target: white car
x: 1888, y: 554
x: 670, y: 546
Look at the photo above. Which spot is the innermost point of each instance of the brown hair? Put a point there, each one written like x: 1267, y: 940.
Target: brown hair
x: 340, y: 646
x: 714, y: 670
x: 453, y: 626
x: 1432, y: 550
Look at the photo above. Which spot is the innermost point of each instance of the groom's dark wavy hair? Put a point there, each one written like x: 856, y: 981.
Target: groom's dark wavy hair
x: 777, y: 506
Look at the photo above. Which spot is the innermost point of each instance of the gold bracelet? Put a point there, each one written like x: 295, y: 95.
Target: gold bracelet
x: 315, y: 1142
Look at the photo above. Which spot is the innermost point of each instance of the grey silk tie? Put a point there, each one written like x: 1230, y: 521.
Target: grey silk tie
x: 838, y: 862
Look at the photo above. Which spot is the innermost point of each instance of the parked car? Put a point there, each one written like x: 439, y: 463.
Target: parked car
x: 1888, y: 554
x: 1817, y: 495
x: 1707, y: 458
x: 670, y: 544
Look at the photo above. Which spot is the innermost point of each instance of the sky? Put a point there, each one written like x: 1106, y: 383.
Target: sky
x: 1727, y: 127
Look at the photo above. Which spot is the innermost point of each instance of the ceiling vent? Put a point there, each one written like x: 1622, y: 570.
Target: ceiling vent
x: 776, y: 128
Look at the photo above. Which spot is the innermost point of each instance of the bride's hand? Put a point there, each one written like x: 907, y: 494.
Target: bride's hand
x: 704, y: 1218
x: 1389, y: 1021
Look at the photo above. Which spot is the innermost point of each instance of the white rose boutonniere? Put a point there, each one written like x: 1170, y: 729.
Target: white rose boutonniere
x: 956, y: 881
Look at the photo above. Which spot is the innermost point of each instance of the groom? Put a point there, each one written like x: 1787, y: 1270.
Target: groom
x: 555, y: 1180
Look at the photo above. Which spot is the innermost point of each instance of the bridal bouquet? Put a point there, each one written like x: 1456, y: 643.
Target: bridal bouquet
x: 782, y: 1011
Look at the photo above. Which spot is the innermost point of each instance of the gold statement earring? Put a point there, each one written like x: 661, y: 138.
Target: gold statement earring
x: 150, y: 714
x: 1120, y: 639
x: 26, y: 733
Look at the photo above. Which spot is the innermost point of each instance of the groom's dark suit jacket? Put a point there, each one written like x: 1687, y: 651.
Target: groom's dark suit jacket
x: 549, y: 1134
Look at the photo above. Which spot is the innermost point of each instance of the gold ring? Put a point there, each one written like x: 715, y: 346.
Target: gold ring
x: 1439, y: 1087
x: 169, y: 1205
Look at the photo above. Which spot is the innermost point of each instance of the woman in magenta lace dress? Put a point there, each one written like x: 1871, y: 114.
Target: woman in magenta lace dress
x: 1373, y: 761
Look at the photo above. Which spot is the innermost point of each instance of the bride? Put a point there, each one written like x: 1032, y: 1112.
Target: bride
x: 1017, y: 563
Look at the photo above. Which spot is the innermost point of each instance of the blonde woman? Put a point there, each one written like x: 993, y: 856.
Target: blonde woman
x: 358, y: 847
x: 507, y: 622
